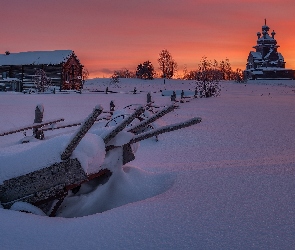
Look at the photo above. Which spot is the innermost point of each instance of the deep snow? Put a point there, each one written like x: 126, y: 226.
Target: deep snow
x: 226, y: 183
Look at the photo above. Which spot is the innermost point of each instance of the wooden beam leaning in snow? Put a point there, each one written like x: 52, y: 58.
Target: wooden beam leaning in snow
x: 159, y: 131
x: 135, y: 129
x: 81, y: 132
x: 165, y: 129
x: 123, y: 124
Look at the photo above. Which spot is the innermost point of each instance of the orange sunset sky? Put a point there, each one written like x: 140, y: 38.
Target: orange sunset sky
x: 108, y: 35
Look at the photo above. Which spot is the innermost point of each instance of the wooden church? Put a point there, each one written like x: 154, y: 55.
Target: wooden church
x: 266, y: 62
x: 62, y: 67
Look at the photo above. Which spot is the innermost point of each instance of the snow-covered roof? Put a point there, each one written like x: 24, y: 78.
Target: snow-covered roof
x: 35, y: 57
x: 265, y: 37
x: 269, y: 53
x: 281, y: 57
x: 275, y: 69
x: 256, y: 55
x: 257, y: 72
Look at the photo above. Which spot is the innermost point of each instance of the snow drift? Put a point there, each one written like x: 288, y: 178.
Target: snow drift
x: 228, y: 183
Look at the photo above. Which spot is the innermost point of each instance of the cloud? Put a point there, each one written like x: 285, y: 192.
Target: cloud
x: 106, y: 71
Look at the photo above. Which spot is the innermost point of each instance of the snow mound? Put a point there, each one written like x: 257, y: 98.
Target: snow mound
x: 27, y: 207
x: 25, y: 158
x: 126, y: 185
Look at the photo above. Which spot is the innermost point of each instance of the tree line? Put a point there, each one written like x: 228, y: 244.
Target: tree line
x: 168, y: 69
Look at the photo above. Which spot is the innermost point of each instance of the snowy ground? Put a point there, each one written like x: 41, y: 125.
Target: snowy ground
x: 226, y: 183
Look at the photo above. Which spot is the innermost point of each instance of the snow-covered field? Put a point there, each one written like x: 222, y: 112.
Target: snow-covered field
x: 226, y: 183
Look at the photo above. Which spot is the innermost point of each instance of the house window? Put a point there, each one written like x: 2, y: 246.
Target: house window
x: 67, y: 76
x: 73, y: 71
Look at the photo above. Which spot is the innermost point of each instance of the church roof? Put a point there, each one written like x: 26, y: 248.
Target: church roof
x: 256, y: 55
x: 35, y: 57
x: 266, y: 37
x: 269, y: 53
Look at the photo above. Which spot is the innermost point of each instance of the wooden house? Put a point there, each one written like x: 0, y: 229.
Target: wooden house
x: 62, y: 67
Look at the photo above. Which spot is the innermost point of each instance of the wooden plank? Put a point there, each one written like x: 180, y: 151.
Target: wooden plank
x: 153, y: 118
x: 159, y: 131
x: 81, y: 132
x: 42, y: 184
x: 165, y: 129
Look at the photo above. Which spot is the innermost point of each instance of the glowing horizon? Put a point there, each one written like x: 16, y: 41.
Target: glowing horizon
x: 108, y: 36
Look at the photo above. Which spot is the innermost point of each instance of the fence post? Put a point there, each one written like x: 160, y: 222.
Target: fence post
x: 38, y: 133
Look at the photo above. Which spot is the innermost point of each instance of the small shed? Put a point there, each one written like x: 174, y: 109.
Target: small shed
x: 62, y: 67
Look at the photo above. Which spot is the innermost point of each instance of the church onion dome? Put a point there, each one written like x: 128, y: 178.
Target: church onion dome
x: 265, y: 28
x: 266, y: 38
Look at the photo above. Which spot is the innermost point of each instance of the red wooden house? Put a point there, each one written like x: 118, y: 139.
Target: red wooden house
x: 61, y: 66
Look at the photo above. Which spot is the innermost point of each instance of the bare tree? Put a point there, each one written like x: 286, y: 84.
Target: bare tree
x: 226, y: 70
x: 85, y: 75
x: 239, y: 76
x: 115, y: 78
x: 191, y: 75
x: 42, y: 82
x: 208, y: 78
x: 167, y: 64
x: 124, y: 73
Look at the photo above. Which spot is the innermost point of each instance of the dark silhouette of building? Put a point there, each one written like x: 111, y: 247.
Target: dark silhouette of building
x: 266, y: 62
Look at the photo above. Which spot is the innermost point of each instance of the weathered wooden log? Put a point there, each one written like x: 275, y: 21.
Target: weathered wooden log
x: 28, y: 127
x: 123, y: 124
x: 165, y: 129
x: 68, y: 125
x: 47, y: 184
x: 159, y: 131
x: 62, y: 126
x: 81, y: 132
x: 128, y: 155
x: 43, y: 184
x: 144, y: 123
